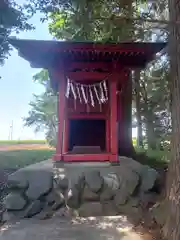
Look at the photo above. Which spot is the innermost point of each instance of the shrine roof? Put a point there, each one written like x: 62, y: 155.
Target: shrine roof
x: 46, y: 54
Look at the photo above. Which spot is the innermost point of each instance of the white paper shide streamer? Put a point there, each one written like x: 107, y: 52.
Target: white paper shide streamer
x: 73, y: 90
x: 88, y: 93
x: 68, y: 88
x: 84, y: 94
x: 91, y: 96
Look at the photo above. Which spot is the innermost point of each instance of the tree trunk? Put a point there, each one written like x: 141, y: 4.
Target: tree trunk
x: 138, y: 109
x: 172, y: 229
x: 126, y: 147
x: 151, y: 138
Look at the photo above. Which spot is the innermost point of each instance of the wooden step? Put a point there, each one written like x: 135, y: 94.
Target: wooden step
x: 86, y: 150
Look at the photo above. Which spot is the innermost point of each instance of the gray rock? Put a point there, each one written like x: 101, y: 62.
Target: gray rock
x: 77, y: 181
x: 129, y: 181
x: 14, y: 201
x: 14, y: 216
x: 148, y: 175
x: 55, y: 196
x: 129, y: 163
x: 148, y: 199
x: 46, y: 213
x: 59, y: 202
x: 134, y: 202
x: 107, y: 193
x: 34, y: 208
x: 17, y: 184
x: 62, y: 183
x: 121, y: 198
x: 94, y: 180
x: 112, y: 181
x: 1, y: 216
x: 8, y: 217
x: 73, y: 198
x: 89, y: 209
x: 148, y: 178
x: 89, y: 195
x: 40, y: 181
x: 109, y: 208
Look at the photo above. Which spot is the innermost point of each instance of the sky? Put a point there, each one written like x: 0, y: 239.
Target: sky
x: 17, y: 89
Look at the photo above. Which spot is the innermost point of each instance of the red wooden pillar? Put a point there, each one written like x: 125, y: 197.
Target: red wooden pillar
x: 107, y: 135
x: 120, y: 123
x: 113, y: 119
x: 66, y: 134
x: 61, y: 116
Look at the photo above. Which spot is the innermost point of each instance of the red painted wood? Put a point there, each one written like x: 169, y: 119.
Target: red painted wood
x: 63, y: 46
x: 108, y: 135
x: 87, y: 76
x: 96, y: 47
x: 113, y: 116
x: 57, y: 157
x: 120, y: 120
x: 104, y: 48
x: 114, y: 158
x: 66, y: 135
x: 61, y: 114
x: 86, y: 157
x: 87, y: 116
x: 89, y: 65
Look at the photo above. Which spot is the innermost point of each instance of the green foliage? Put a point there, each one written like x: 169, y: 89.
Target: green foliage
x: 153, y: 158
x: 13, y: 18
x: 22, y: 158
x: 154, y: 103
x: 43, y: 113
x: 89, y: 20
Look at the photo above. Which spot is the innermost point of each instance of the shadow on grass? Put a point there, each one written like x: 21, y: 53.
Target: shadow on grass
x: 21, y: 158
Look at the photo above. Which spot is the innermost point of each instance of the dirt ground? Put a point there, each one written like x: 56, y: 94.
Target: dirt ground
x: 58, y: 228
x: 13, y: 147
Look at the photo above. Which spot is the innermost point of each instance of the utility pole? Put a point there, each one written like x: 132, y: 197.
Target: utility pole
x: 11, y: 131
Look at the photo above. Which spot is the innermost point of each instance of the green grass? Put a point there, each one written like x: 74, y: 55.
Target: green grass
x: 13, y: 142
x: 22, y: 158
x: 154, y: 158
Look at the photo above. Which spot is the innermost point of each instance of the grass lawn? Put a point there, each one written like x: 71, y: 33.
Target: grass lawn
x: 22, y: 158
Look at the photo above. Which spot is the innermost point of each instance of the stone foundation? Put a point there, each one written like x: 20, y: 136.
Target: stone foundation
x: 82, y: 189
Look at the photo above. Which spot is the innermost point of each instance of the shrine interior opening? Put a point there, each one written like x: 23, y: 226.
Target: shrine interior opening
x: 87, y: 133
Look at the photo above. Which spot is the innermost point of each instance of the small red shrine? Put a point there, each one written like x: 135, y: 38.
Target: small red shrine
x: 89, y: 79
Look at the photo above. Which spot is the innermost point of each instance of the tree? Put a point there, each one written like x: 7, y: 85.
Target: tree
x: 43, y: 113
x: 12, y: 19
x: 138, y: 114
x: 171, y: 228
x: 153, y: 105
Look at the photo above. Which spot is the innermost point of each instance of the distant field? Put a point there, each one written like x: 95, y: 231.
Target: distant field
x: 15, y: 142
x: 12, y: 145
